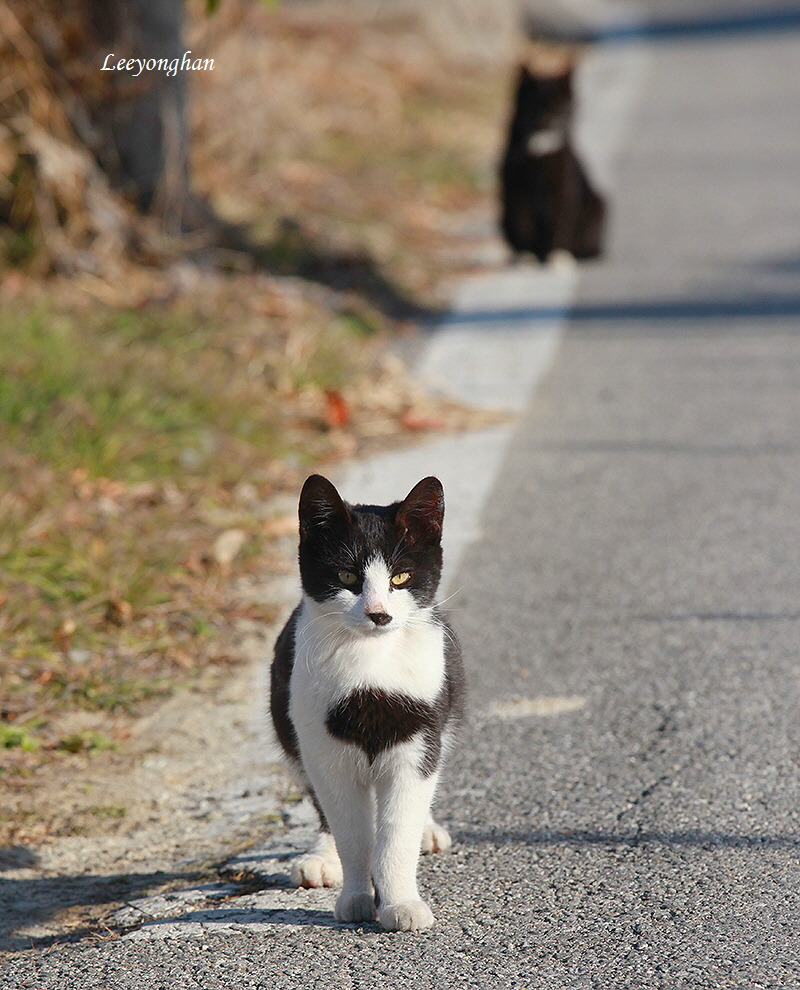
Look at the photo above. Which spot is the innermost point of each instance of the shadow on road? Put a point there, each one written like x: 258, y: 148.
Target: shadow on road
x: 769, y: 17
x: 644, y: 311
x: 26, y: 904
x: 663, y: 448
x: 764, y: 291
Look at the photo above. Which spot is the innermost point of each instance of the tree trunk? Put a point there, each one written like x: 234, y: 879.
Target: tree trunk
x: 146, y: 151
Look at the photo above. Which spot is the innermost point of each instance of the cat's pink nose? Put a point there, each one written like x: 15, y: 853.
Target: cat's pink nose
x: 380, y: 618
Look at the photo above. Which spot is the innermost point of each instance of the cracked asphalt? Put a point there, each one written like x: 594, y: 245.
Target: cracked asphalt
x: 624, y: 803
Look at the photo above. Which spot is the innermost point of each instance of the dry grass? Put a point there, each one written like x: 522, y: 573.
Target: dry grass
x: 349, y: 118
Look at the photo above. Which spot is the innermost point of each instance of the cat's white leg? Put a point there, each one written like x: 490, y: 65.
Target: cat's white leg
x: 403, y: 808
x: 349, y: 809
x: 352, y: 825
x: 320, y: 866
x: 435, y: 838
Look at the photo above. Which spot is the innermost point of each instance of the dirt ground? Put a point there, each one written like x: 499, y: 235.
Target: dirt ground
x: 198, y: 778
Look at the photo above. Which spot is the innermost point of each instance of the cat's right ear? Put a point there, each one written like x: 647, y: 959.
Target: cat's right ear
x: 320, y: 505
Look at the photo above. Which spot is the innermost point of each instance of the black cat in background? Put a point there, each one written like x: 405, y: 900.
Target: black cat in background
x: 549, y: 207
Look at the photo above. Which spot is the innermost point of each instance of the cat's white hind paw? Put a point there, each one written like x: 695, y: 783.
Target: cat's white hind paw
x: 355, y: 907
x: 561, y: 260
x: 435, y: 839
x: 320, y: 866
x: 314, y: 871
x: 406, y: 916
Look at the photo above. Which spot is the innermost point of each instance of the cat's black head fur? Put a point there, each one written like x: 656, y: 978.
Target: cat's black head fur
x: 336, y: 536
x: 542, y: 102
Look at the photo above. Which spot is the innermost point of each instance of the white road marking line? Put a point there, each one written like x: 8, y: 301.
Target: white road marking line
x: 541, y: 706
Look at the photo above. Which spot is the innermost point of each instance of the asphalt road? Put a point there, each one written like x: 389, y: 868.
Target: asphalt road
x: 625, y: 799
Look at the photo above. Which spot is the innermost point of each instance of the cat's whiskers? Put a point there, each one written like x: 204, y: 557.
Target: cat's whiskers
x: 334, y: 639
x: 450, y: 637
x: 444, y: 601
x: 423, y: 612
x: 399, y: 550
x: 309, y: 641
x: 331, y: 639
x: 422, y: 618
x: 308, y: 629
x: 348, y: 555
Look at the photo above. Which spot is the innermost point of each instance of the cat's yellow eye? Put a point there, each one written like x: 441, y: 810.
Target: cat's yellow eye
x: 398, y: 580
x: 347, y: 577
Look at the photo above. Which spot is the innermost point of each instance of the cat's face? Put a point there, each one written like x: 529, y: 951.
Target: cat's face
x: 375, y: 567
x: 543, y: 101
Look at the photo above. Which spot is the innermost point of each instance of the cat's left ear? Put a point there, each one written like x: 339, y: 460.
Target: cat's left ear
x: 422, y: 510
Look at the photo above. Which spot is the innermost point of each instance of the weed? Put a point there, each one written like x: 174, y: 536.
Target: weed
x: 85, y: 742
x: 107, y: 811
x: 12, y: 736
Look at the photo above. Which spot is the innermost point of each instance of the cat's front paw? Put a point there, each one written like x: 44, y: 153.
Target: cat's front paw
x: 435, y: 839
x: 406, y: 916
x: 355, y: 907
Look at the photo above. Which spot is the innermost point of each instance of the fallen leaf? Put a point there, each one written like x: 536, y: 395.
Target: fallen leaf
x: 13, y: 284
x: 195, y: 564
x: 118, y: 612
x: 181, y: 658
x: 63, y: 635
x: 145, y: 492
x: 227, y: 545
x: 419, y: 421
x: 337, y: 410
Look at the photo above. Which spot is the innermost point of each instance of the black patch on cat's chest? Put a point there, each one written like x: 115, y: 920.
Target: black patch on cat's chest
x: 376, y: 720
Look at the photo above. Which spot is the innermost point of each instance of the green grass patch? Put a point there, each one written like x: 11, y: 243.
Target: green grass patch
x: 129, y: 396
x: 17, y: 736
x: 107, y: 811
x: 85, y: 742
x: 125, y: 438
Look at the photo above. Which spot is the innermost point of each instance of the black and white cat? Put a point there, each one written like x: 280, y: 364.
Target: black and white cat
x: 549, y: 206
x: 367, y: 690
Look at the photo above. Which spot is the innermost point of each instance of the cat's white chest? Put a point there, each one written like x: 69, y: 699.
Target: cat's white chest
x: 546, y: 142
x: 332, y: 662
